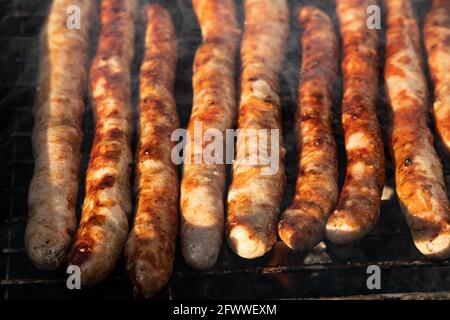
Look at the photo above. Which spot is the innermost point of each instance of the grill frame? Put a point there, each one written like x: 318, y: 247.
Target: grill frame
x: 326, y: 272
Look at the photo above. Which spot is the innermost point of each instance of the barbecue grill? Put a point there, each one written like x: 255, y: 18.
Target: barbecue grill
x: 327, y: 271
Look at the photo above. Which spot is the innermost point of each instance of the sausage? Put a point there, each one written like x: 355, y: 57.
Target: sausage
x: 359, y: 202
x: 103, y: 227
x: 437, y: 44
x: 255, y: 196
x: 302, y: 224
x: 57, y: 135
x: 150, y: 247
x: 418, y: 171
x: 203, y: 182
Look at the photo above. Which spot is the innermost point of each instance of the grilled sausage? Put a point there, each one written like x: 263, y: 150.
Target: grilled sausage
x: 150, y: 247
x: 359, y: 203
x: 255, y: 196
x: 437, y: 43
x: 57, y: 135
x: 203, y: 182
x: 104, y: 221
x: 418, y: 172
x: 302, y: 225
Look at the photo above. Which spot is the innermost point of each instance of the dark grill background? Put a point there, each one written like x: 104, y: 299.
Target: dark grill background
x: 325, y: 272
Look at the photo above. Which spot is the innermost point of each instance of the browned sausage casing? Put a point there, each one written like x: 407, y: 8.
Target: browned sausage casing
x: 302, y: 225
x: 202, y: 186
x: 437, y: 43
x: 103, y: 228
x: 57, y: 134
x: 418, y: 172
x: 150, y: 247
x: 359, y: 203
x: 254, y: 198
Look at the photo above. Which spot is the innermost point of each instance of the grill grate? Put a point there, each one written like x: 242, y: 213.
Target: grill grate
x: 328, y: 271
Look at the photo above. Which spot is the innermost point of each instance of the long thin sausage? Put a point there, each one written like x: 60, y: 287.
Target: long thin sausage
x: 437, y: 43
x: 203, y: 182
x: 104, y: 223
x: 150, y: 247
x: 359, y: 203
x: 418, y: 172
x: 255, y: 195
x: 57, y: 134
x: 302, y: 225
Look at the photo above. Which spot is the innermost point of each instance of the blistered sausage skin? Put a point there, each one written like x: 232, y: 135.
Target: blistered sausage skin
x: 203, y: 182
x: 359, y: 203
x: 255, y: 195
x: 418, y: 171
x: 302, y: 224
x: 57, y: 135
x: 150, y: 247
x: 103, y: 227
x: 437, y: 44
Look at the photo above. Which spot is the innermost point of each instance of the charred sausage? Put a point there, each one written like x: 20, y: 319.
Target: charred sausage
x: 203, y: 182
x: 437, y: 44
x: 359, y: 202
